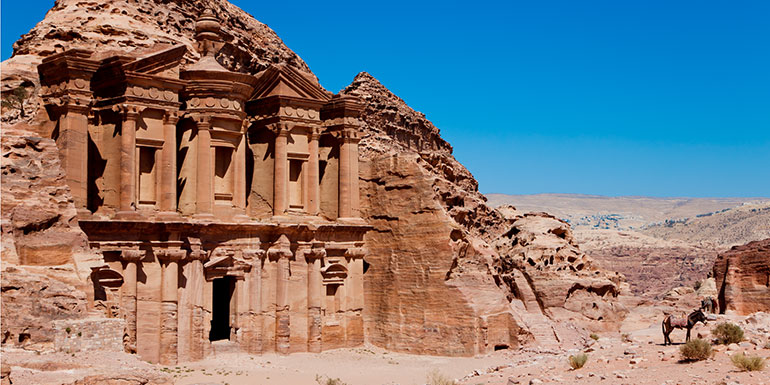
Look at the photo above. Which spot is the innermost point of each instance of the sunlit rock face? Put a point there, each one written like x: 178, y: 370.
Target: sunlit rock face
x: 177, y: 165
x: 743, y: 278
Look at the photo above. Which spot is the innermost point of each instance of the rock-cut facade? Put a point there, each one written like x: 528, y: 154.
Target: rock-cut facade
x: 225, y: 205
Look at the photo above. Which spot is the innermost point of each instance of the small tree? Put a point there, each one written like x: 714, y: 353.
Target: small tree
x: 15, y: 99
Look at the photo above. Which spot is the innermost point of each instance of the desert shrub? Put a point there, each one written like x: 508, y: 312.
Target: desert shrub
x: 767, y: 345
x: 625, y: 337
x: 695, y: 350
x: 747, y: 363
x: 323, y: 380
x: 727, y: 333
x: 436, y: 378
x: 577, y: 361
x: 594, y: 337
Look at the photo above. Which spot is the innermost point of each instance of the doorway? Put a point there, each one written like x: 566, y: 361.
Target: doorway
x: 220, y: 313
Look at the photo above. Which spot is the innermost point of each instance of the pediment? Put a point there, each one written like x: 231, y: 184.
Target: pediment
x: 164, y: 63
x: 287, y: 81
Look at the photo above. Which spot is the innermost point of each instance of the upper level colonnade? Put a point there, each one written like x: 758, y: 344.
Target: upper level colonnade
x: 159, y: 138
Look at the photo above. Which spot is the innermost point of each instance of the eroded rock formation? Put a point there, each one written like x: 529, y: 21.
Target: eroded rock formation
x: 743, y: 278
x: 444, y: 272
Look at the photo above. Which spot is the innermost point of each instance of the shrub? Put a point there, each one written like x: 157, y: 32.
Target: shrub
x: 594, y: 337
x: 727, y: 333
x: 436, y: 378
x: 747, y: 363
x: 695, y: 350
x: 767, y: 345
x: 625, y: 337
x: 323, y: 380
x: 577, y: 361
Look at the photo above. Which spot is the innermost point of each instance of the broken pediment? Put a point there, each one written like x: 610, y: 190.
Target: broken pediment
x: 287, y: 81
x: 164, y: 63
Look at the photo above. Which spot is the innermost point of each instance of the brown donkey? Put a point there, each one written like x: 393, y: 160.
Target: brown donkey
x: 670, y: 323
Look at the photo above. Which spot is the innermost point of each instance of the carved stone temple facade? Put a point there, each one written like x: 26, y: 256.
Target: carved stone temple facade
x: 225, y: 204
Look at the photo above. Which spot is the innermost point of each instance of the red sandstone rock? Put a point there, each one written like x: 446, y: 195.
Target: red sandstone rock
x: 743, y: 278
x: 447, y: 273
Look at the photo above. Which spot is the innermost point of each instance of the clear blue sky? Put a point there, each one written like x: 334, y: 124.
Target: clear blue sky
x: 644, y: 97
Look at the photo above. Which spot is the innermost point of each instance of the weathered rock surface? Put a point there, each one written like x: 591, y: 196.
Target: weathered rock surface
x: 447, y: 273
x: 38, y: 216
x: 31, y: 302
x: 434, y: 230
x: 743, y: 278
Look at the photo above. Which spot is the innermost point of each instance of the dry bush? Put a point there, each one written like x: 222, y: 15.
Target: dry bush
x: 747, y: 363
x: 577, y: 361
x: 625, y: 337
x: 323, y: 380
x: 727, y: 333
x: 436, y: 378
x: 695, y: 350
x: 594, y: 337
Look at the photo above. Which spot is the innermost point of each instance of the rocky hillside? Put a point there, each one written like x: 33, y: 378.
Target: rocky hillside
x: 448, y: 273
x: 723, y: 229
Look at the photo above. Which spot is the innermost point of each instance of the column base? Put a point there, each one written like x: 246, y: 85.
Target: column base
x: 128, y: 215
x: 241, y: 218
x: 168, y: 216
x: 204, y: 217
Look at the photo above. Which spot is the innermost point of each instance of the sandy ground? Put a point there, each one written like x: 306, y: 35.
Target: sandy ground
x: 642, y: 360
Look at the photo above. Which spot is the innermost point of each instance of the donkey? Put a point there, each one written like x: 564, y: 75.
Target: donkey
x: 670, y: 323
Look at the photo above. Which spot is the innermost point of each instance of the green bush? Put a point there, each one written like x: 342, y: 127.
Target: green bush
x: 727, y: 333
x: 695, y: 350
x: 747, y: 363
x: 577, y: 361
x: 594, y: 337
x: 436, y: 378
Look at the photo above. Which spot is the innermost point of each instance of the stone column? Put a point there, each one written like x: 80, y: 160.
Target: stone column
x: 354, y: 189
x: 239, y: 183
x: 128, y: 159
x: 345, y: 208
x: 281, y: 252
x: 169, y: 302
x: 130, y: 259
x: 73, y: 152
x: 205, y: 187
x: 168, y: 164
x: 281, y: 173
x: 314, y: 297
x: 253, y: 338
x: 196, y: 282
x: 313, y: 188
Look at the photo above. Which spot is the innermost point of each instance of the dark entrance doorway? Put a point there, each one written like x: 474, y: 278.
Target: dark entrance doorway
x: 220, y: 317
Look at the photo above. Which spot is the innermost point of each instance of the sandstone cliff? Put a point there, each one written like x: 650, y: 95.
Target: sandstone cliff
x: 743, y: 278
x: 447, y: 274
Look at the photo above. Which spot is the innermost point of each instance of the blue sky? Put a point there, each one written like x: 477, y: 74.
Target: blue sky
x: 644, y: 97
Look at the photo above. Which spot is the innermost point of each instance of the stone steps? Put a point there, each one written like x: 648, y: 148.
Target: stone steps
x: 225, y: 347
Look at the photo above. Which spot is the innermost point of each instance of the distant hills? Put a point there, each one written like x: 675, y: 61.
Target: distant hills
x: 657, y: 243
x: 620, y: 213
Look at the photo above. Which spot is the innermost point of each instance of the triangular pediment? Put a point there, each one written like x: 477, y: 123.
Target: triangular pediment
x: 287, y: 81
x: 162, y: 63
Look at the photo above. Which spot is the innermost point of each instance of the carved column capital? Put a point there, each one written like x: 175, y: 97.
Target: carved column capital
x: 281, y: 128
x: 172, y: 116
x: 132, y: 255
x: 314, y: 132
x: 129, y: 111
x: 171, y: 255
x: 203, y: 122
